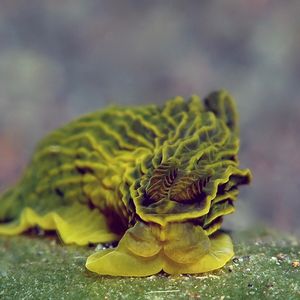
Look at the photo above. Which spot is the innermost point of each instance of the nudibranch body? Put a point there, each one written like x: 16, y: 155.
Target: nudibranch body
x: 158, y: 179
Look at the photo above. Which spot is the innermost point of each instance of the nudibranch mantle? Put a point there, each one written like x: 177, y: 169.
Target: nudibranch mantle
x: 157, y: 179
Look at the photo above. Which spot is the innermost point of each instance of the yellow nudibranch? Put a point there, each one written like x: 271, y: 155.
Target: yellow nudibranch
x: 158, y: 179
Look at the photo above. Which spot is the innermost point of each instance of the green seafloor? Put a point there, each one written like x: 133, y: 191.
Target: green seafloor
x: 265, y: 267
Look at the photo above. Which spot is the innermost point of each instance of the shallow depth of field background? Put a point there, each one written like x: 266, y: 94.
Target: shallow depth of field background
x: 62, y: 58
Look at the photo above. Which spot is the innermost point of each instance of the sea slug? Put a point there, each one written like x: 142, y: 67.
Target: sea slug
x: 158, y: 179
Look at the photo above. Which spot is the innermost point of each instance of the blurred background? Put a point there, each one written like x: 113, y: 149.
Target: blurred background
x: 63, y: 58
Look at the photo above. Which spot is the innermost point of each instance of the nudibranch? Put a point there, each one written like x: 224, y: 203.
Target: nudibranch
x: 156, y: 178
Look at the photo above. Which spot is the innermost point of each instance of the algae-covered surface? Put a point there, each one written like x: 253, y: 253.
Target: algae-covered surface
x: 265, y: 267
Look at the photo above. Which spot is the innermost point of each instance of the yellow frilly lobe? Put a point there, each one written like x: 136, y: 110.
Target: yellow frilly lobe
x: 75, y: 224
x: 164, y: 175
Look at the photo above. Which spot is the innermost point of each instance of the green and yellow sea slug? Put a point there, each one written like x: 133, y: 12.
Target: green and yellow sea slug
x: 158, y: 179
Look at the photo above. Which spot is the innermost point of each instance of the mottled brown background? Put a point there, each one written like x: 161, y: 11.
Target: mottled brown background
x: 62, y: 58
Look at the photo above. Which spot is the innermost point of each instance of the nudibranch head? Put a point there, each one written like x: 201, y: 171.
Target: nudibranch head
x: 179, y: 194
